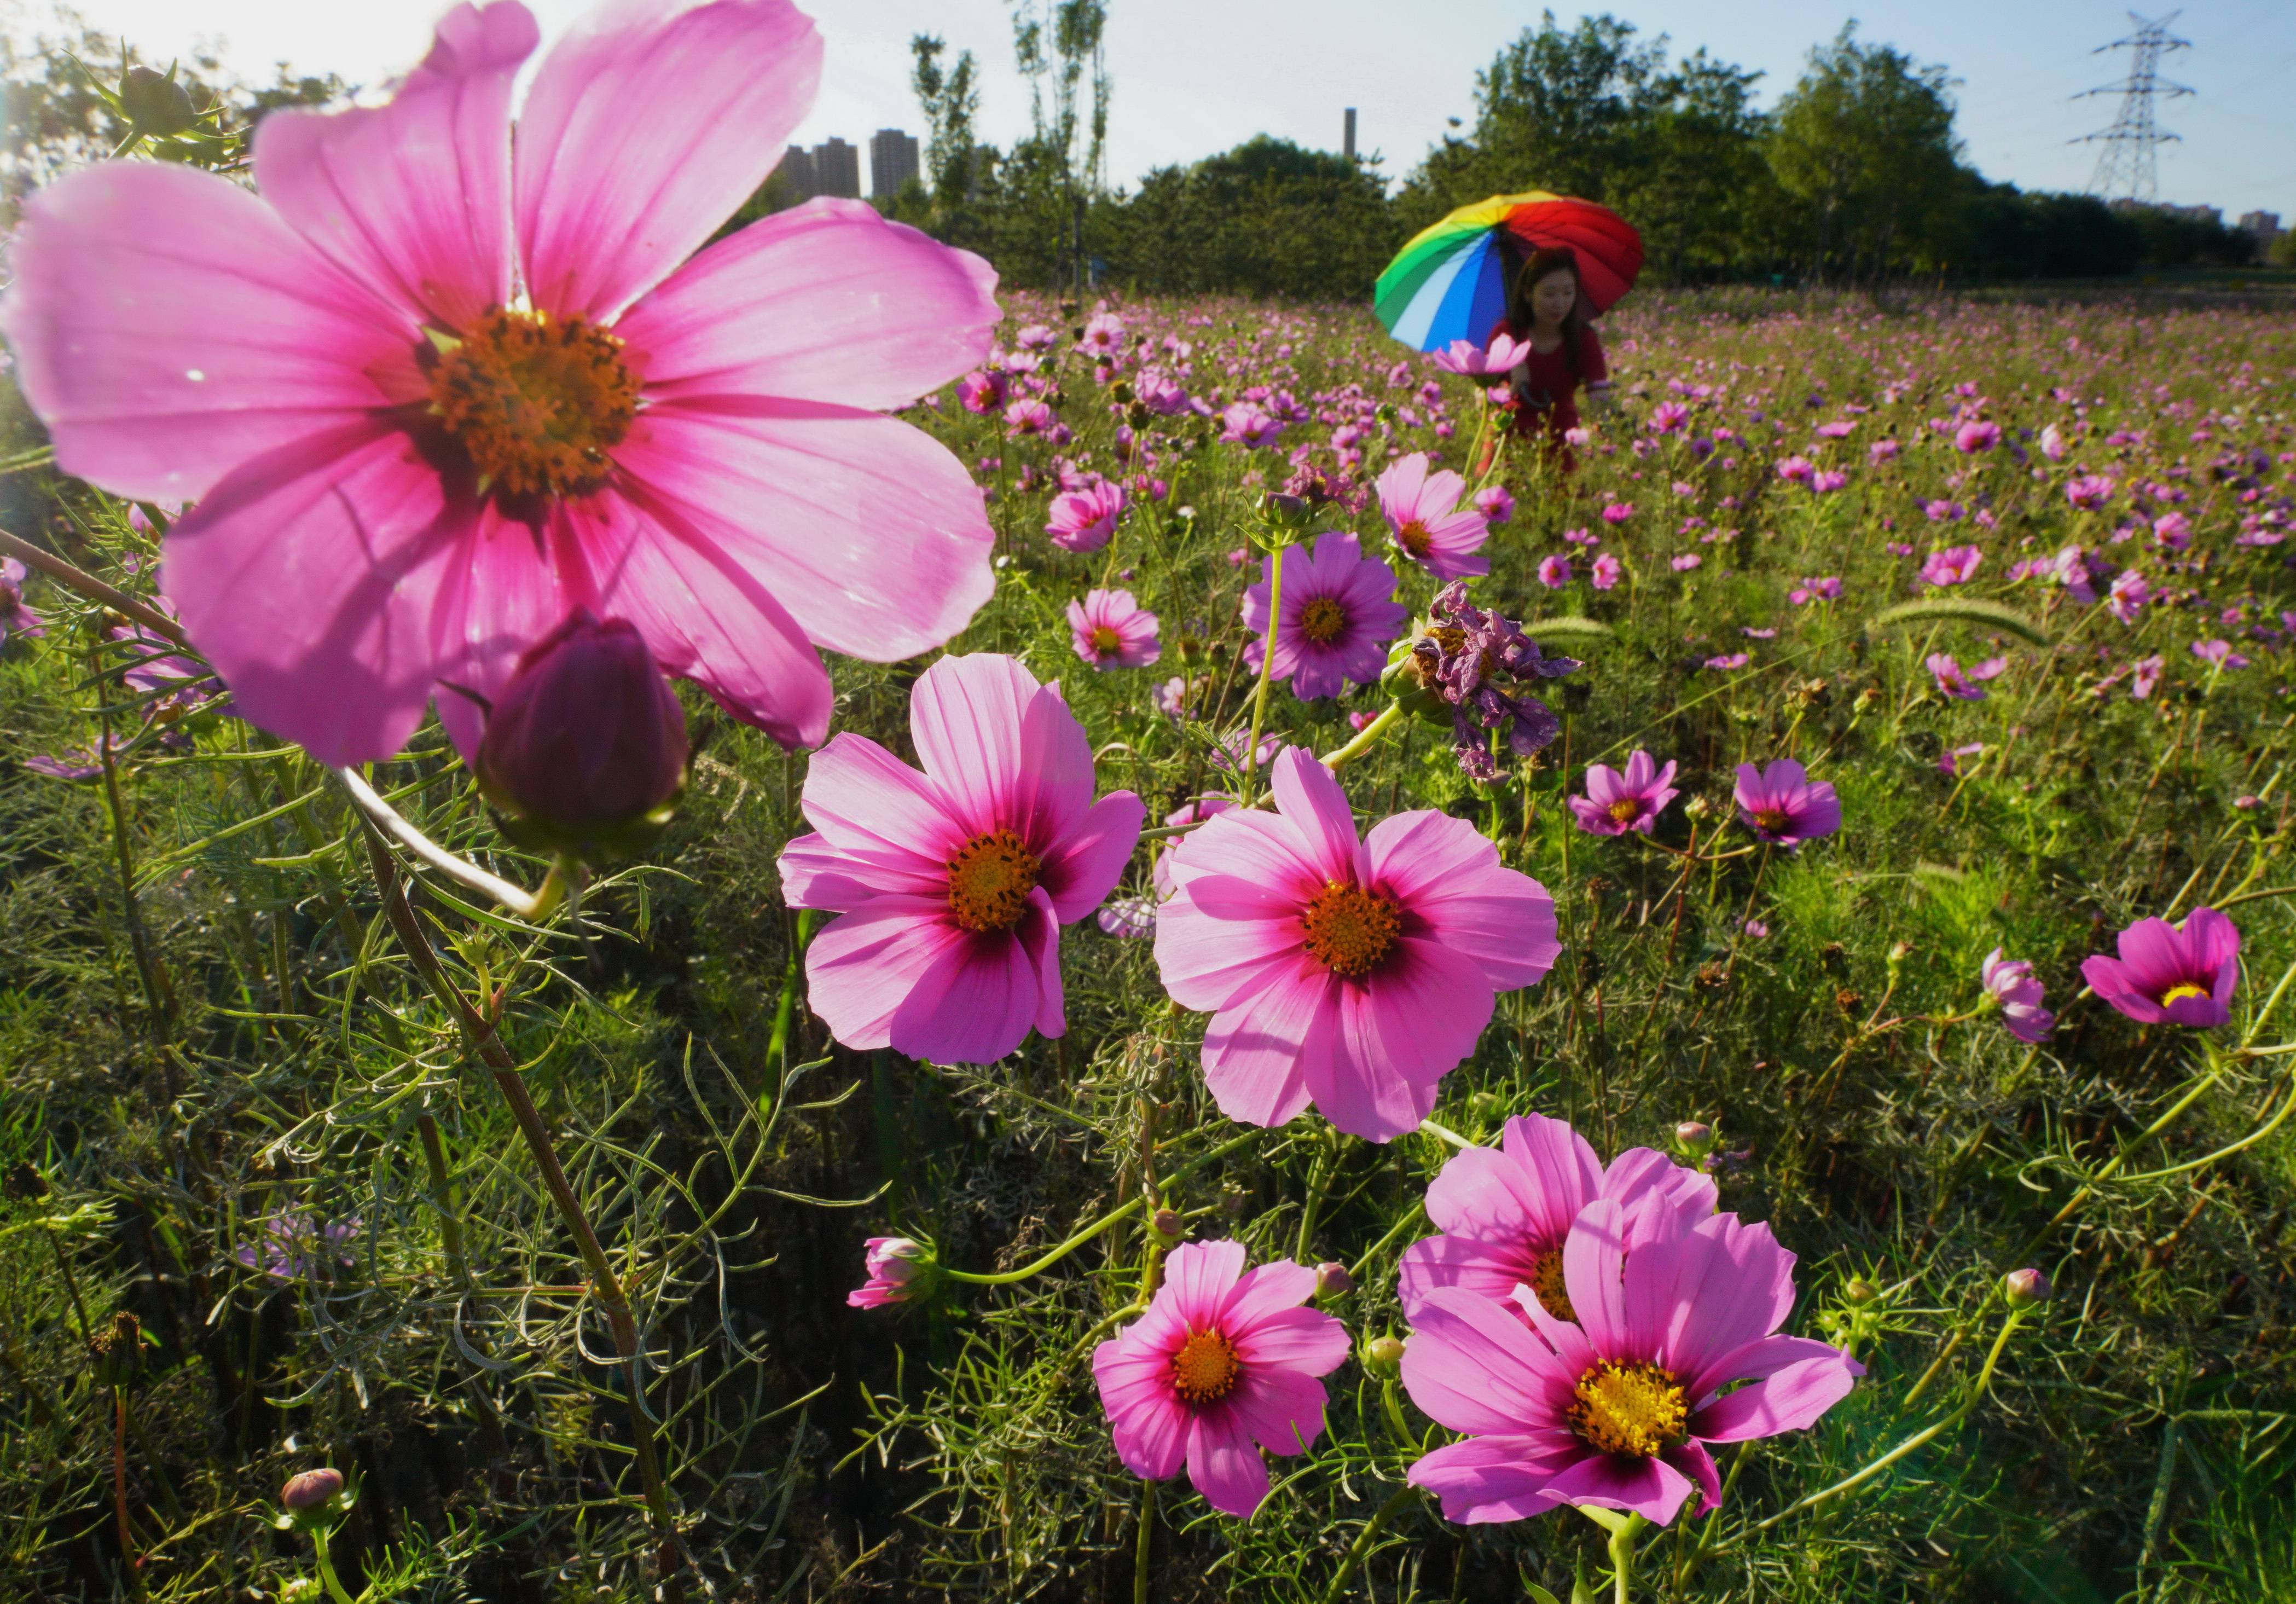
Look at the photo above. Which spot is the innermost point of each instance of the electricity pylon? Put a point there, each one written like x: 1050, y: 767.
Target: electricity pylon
x: 2128, y: 167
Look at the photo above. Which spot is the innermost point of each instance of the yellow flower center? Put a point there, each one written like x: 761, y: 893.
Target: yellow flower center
x: 990, y: 881
x: 1323, y: 619
x: 2177, y: 993
x: 536, y: 401
x: 1772, y: 820
x: 1625, y: 809
x: 1414, y: 538
x: 1350, y: 931
x: 1205, y: 1368
x: 1637, y: 1408
x: 1105, y: 641
x: 1546, y: 1285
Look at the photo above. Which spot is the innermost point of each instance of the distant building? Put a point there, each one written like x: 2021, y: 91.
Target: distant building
x: 2212, y: 214
x: 1347, y: 139
x: 797, y: 172
x: 892, y: 162
x: 2263, y: 225
x: 837, y: 169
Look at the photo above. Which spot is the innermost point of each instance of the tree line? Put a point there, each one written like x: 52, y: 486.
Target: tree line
x: 1855, y: 176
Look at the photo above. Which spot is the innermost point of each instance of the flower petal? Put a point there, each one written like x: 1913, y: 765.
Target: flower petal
x: 1093, y: 854
x: 1793, y: 1400
x: 1475, y: 1368
x: 1309, y: 794
x: 1261, y: 1059
x: 827, y: 301
x: 1223, y: 1465
x: 1281, y: 1409
x: 863, y: 966
x: 1651, y: 1488
x: 1198, y: 1276
x: 647, y: 125
x: 1497, y: 1478
x: 975, y: 1004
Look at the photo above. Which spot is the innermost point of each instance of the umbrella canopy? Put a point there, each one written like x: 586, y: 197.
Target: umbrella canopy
x: 1449, y: 283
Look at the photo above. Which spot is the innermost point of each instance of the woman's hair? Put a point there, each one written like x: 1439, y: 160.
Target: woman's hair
x: 1540, y: 264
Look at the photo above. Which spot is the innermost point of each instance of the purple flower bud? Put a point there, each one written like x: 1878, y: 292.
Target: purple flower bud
x: 1167, y: 1224
x: 1695, y: 1138
x: 1333, y: 1279
x: 586, y: 746
x: 2024, y: 1288
x: 311, y: 1489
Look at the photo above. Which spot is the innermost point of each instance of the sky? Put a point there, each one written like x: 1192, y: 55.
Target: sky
x: 1195, y: 76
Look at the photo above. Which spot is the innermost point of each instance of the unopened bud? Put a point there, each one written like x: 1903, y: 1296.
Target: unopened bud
x: 155, y: 102
x: 299, y: 1590
x: 1694, y: 1138
x: 1333, y: 1279
x: 1698, y: 807
x: 1383, y: 1355
x: 310, y: 1490
x: 2025, y: 1288
x: 584, y: 749
x: 1167, y: 1224
x: 1860, y: 1293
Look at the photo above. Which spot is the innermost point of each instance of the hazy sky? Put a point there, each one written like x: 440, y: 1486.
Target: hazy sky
x: 1193, y: 76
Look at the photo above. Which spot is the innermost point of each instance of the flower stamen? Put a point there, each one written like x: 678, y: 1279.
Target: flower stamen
x: 1322, y: 620
x: 990, y: 881
x: 536, y: 401
x: 1205, y: 1368
x: 1546, y: 1285
x: 1633, y: 1409
x: 1627, y: 810
x: 1350, y: 931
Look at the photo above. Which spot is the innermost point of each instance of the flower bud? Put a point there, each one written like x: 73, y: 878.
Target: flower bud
x: 117, y: 1350
x: 1383, y: 1355
x: 310, y: 1490
x: 299, y: 1590
x: 584, y: 748
x: 155, y: 102
x: 1859, y: 1292
x: 2025, y: 1288
x: 899, y: 1270
x: 1694, y: 1138
x: 1333, y: 1279
x: 1698, y: 807
x: 1167, y: 1224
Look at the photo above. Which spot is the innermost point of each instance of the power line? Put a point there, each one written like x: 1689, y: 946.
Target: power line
x: 2128, y: 167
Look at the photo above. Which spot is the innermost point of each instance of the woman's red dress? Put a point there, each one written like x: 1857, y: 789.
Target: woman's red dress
x: 1549, y: 387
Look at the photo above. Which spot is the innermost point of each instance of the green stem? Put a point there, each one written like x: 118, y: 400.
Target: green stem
x: 1116, y: 1216
x: 1364, y: 739
x: 1360, y: 1549
x: 1267, y: 671
x: 147, y: 962
x: 1622, y: 1557
x: 1144, y: 1543
x: 129, y: 1568
x: 327, y: 1577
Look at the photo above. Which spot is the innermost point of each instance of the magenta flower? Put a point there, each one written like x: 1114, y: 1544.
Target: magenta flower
x: 1616, y: 802
x: 1085, y: 520
x: 1111, y: 630
x: 1783, y: 805
x: 1617, y: 512
x: 981, y: 391
x: 1606, y: 571
x: 1224, y: 1358
x: 1431, y: 528
x: 1028, y: 418
x: 1826, y: 480
x: 897, y: 1268
x: 951, y: 886
x: 2219, y: 653
x: 1504, y: 1212
x: 1796, y: 470
x: 1963, y: 685
x: 2053, y: 444
x: 431, y: 390
x: 17, y: 618
x: 2145, y: 676
x: 2173, y: 531
x: 1248, y: 425
x: 2090, y: 491
x: 1975, y: 437
x: 1667, y: 418
x: 2171, y: 974
x: 1954, y: 565
x: 1495, y: 503
x: 1615, y: 1409
x: 1823, y: 588
x: 2129, y: 595
x: 1554, y: 570
x: 1338, y: 615
x: 2012, y: 986
x: 1349, y: 973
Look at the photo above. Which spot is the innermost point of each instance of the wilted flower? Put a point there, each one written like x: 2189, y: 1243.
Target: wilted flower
x: 1616, y: 802
x: 1111, y: 630
x: 2171, y: 974
x: 1458, y: 662
x: 1783, y: 805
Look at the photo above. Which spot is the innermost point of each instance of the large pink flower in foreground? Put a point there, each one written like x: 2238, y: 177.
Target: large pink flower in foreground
x: 1349, y: 973
x: 1506, y: 1211
x: 1615, y: 1409
x: 1338, y: 615
x: 430, y: 393
x: 951, y: 886
x: 1226, y: 1357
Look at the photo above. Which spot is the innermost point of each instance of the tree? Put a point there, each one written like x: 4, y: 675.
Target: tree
x: 1267, y: 218
x: 951, y: 100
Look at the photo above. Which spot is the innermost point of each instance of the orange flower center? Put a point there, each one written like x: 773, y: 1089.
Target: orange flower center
x: 1322, y: 620
x: 1636, y: 1409
x: 1205, y: 1368
x: 1350, y: 931
x: 990, y: 881
x: 1625, y: 809
x: 1105, y: 641
x: 537, y: 401
x: 1546, y: 1285
x: 1414, y: 538
x: 2177, y: 993
x: 1773, y: 819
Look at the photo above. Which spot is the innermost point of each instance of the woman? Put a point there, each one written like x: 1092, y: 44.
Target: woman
x: 1546, y: 308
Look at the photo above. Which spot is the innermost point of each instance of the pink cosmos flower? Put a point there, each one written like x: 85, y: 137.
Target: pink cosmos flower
x: 2219, y: 653
x: 1820, y: 587
x: 1349, y: 973
x: 1975, y: 437
x: 1949, y: 762
x: 1784, y: 806
x: 2012, y: 986
x: 981, y: 391
x: 1224, y: 1358
x: 2173, y: 531
x: 1248, y: 425
x: 1504, y: 1212
x: 1618, y: 512
x: 1963, y: 685
x: 2144, y: 675
x: 1616, y: 802
x: 1495, y: 503
x: 1338, y: 615
x: 1667, y: 418
x: 1104, y: 335
x: 1686, y: 563
x: 1826, y: 480
x: 431, y: 390
x: 1606, y: 571
x: 951, y: 886
x: 1796, y: 470
x: 1028, y: 417
x: 1554, y: 570
x: 1954, y: 565
x: 892, y: 1264
x: 1111, y: 630
x: 2129, y: 595
x: 2090, y: 490
x: 2171, y: 974
x: 1881, y: 451
x: 1614, y: 1409
x: 16, y: 617
x: 1431, y: 528
x: 1465, y: 356
x: 2053, y: 444
x: 1085, y: 520
x: 1728, y: 660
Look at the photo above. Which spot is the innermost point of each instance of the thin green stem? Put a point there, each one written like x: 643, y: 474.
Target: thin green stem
x: 1364, y: 739
x: 1144, y: 1541
x: 1360, y: 1549
x: 327, y: 1577
x: 1623, y: 1558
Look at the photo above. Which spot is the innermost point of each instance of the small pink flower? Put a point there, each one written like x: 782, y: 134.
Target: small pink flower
x: 1975, y: 437
x: 1966, y: 685
x: 2090, y: 490
x: 1248, y: 425
x: 2053, y: 444
x: 1783, y: 805
x: 1554, y: 572
x: 893, y: 1265
x: 1826, y: 480
x: 2173, y: 531
x: 1796, y: 470
x: 1495, y: 504
x: 1606, y: 571
x: 1881, y: 451
x: 1820, y: 588
x: 1226, y: 1358
x: 1685, y: 562
x: 2020, y: 995
x: 2168, y: 973
x: 2128, y: 595
x: 1430, y: 526
x: 2219, y: 653
x: 1086, y: 520
x: 2144, y: 675
x: 981, y: 391
x: 951, y: 886
x: 1729, y: 660
x: 1616, y: 802
x: 1667, y: 418
x: 1618, y: 512
x: 1954, y: 565
x: 1949, y: 762
x: 1109, y: 631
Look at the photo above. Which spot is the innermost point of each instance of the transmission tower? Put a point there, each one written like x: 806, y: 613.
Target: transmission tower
x: 2128, y: 167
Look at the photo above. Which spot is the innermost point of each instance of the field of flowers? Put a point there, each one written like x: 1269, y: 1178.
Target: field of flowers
x: 1388, y: 1020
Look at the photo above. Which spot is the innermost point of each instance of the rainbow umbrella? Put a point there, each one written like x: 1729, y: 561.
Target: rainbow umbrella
x: 1449, y: 283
